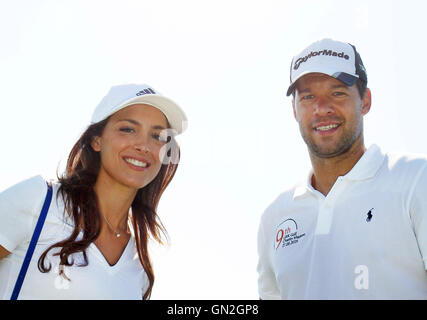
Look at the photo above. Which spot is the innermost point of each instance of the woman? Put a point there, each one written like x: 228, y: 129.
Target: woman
x: 94, y: 242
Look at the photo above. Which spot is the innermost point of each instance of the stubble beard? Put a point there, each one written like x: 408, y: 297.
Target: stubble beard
x: 348, y: 139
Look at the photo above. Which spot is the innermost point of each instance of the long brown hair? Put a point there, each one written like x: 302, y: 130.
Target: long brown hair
x: 77, y: 190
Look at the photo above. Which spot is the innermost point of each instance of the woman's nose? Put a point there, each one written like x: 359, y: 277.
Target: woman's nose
x: 142, y: 145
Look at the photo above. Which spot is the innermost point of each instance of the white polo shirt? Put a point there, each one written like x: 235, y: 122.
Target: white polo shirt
x: 367, y: 239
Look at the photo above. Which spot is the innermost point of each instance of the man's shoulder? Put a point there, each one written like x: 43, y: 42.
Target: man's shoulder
x: 283, y: 200
x: 406, y: 163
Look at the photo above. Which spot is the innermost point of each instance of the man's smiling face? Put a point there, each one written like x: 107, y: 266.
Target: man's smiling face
x: 329, y: 114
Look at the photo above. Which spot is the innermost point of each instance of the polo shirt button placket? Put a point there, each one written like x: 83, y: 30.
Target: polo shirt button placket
x: 324, y: 219
x: 326, y: 208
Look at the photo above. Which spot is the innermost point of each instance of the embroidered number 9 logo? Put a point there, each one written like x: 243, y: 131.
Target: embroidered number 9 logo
x: 279, y: 237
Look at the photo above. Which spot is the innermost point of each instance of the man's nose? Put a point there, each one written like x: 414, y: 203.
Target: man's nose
x: 323, y: 106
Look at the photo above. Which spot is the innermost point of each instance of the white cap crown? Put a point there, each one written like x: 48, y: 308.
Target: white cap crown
x: 122, y: 96
x: 334, y: 58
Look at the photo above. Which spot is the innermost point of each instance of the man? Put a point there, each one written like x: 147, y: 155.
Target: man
x: 357, y: 228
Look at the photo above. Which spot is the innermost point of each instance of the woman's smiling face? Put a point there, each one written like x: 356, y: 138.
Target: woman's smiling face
x: 130, y: 146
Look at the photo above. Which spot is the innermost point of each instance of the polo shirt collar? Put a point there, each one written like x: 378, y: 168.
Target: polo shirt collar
x: 367, y: 166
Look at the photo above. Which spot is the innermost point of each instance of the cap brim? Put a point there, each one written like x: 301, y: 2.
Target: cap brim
x: 344, y: 77
x: 174, y: 114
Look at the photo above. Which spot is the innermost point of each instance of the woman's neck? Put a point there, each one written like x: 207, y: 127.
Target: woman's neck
x: 114, y: 200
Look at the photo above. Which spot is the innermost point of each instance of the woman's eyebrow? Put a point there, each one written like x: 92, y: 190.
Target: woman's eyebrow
x: 156, y: 127
x: 129, y: 120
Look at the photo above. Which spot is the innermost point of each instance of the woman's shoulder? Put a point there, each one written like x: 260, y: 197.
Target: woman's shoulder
x: 25, y: 193
x: 20, y: 207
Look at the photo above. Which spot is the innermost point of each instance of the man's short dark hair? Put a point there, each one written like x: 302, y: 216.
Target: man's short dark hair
x: 361, y: 87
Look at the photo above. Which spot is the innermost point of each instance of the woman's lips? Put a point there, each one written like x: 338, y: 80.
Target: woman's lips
x: 137, y: 164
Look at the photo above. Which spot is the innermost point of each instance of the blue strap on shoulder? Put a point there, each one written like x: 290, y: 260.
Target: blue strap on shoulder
x: 33, y: 242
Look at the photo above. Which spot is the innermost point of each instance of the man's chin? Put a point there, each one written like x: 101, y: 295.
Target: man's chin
x: 327, y: 152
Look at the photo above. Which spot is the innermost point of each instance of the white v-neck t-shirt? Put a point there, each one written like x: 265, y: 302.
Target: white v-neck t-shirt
x: 20, y: 207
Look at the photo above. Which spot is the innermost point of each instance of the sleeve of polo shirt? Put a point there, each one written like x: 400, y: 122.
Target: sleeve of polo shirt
x: 20, y: 207
x: 267, y: 285
x: 418, y: 211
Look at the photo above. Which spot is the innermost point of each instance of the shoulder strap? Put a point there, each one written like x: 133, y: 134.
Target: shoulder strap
x: 33, y: 242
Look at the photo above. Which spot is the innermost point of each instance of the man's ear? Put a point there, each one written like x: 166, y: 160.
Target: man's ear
x: 293, y: 108
x: 366, y: 101
x: 96, y: 143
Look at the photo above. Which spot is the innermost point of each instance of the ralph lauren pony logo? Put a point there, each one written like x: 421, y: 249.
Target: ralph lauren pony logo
x: 146, y: 91
x: 370, y: 215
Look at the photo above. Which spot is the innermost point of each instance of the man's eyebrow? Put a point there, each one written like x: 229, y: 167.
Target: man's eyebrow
x: 303, y: 90
x: 340, y: 85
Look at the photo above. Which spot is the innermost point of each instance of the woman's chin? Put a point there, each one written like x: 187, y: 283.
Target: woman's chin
x: 137, y: 184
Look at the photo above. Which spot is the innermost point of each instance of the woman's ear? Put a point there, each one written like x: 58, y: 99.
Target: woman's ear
x: 96, y: 143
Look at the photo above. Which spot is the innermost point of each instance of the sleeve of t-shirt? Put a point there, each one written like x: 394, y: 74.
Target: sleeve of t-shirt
x: 20, y: 207
x: 267, y: 285
x: 418, y: 211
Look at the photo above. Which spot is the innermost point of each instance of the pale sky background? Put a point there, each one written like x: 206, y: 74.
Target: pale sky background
x: 227, y: 64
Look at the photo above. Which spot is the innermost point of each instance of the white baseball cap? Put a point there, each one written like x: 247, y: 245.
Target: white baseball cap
x: 125, y: 95
x: 334, y: 58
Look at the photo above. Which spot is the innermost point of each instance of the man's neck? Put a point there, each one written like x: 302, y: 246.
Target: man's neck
x: 327, y: 170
